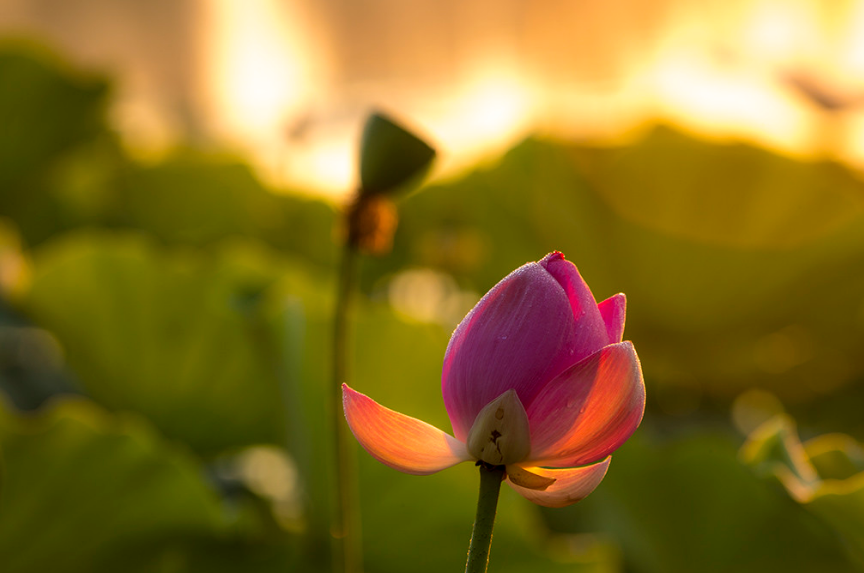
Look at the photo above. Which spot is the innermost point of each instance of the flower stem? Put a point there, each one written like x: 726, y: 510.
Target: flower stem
x: 487, y: 505
x: 346, y: 513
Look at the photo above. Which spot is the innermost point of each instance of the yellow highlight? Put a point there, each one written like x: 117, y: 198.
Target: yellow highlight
x: 257, y: 73
x: 725, y: 73
x: 727, y: 103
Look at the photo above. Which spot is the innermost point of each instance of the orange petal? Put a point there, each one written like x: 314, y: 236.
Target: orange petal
x: 588, y: 411
x: 570, y: 485
x: 399, y: 441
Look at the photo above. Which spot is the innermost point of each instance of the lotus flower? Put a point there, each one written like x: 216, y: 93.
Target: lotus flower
x: 536, y: 379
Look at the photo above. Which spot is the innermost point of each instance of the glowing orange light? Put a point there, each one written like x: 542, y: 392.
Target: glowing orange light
x: 726, y: 76
x: 257, y: 67
x: 694, y: 92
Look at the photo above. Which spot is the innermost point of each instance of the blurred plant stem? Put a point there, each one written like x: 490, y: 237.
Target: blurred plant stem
x: 487, y: 506
x: 370, y: 223
x: 390, y: 157
x: 345, y: 528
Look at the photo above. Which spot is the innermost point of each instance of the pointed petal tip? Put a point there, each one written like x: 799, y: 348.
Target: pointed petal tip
x: 613, y: 311
x: 399, y: 441
x: 592, y: 329
x: 553, y: 256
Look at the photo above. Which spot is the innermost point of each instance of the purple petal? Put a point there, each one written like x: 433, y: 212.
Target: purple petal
x: 591, y: 332
x: 588, y: 411
x: 613, y: 310
x: 571, y: 484
x: 518, y: 336
x: 535, y: 323
x: 399, y: 441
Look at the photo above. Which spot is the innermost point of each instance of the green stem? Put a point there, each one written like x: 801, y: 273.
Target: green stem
x: 346, y: 522
x: 487, y: 505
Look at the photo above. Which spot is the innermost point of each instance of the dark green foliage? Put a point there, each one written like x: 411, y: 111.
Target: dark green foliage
x: 48, y: 115
x: 191, y: 307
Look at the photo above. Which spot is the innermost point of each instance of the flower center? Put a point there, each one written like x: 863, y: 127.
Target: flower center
x: 500, y: 434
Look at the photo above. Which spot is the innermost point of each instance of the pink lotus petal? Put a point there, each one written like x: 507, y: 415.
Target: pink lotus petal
x: 399, y: 441
x: 519, y: 336
x: 613, y: 310
x: 588, y: 411
x: 571, y: 484
x: 591, y: 332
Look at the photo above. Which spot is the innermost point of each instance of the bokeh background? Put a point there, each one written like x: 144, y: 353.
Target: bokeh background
x: 171, y: 180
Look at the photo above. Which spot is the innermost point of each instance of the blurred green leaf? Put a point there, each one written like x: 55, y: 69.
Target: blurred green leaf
x: 45, y: 110
x: 49, y: 113
x: 725, y: 194
x: 201, y: 199
x: 87, y: 491
x: 835, y: 456
x: 390, y: 155
x: 825, y: 475
x: 179, y: 336
x: 686, y: 504
x: 194, y: 199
